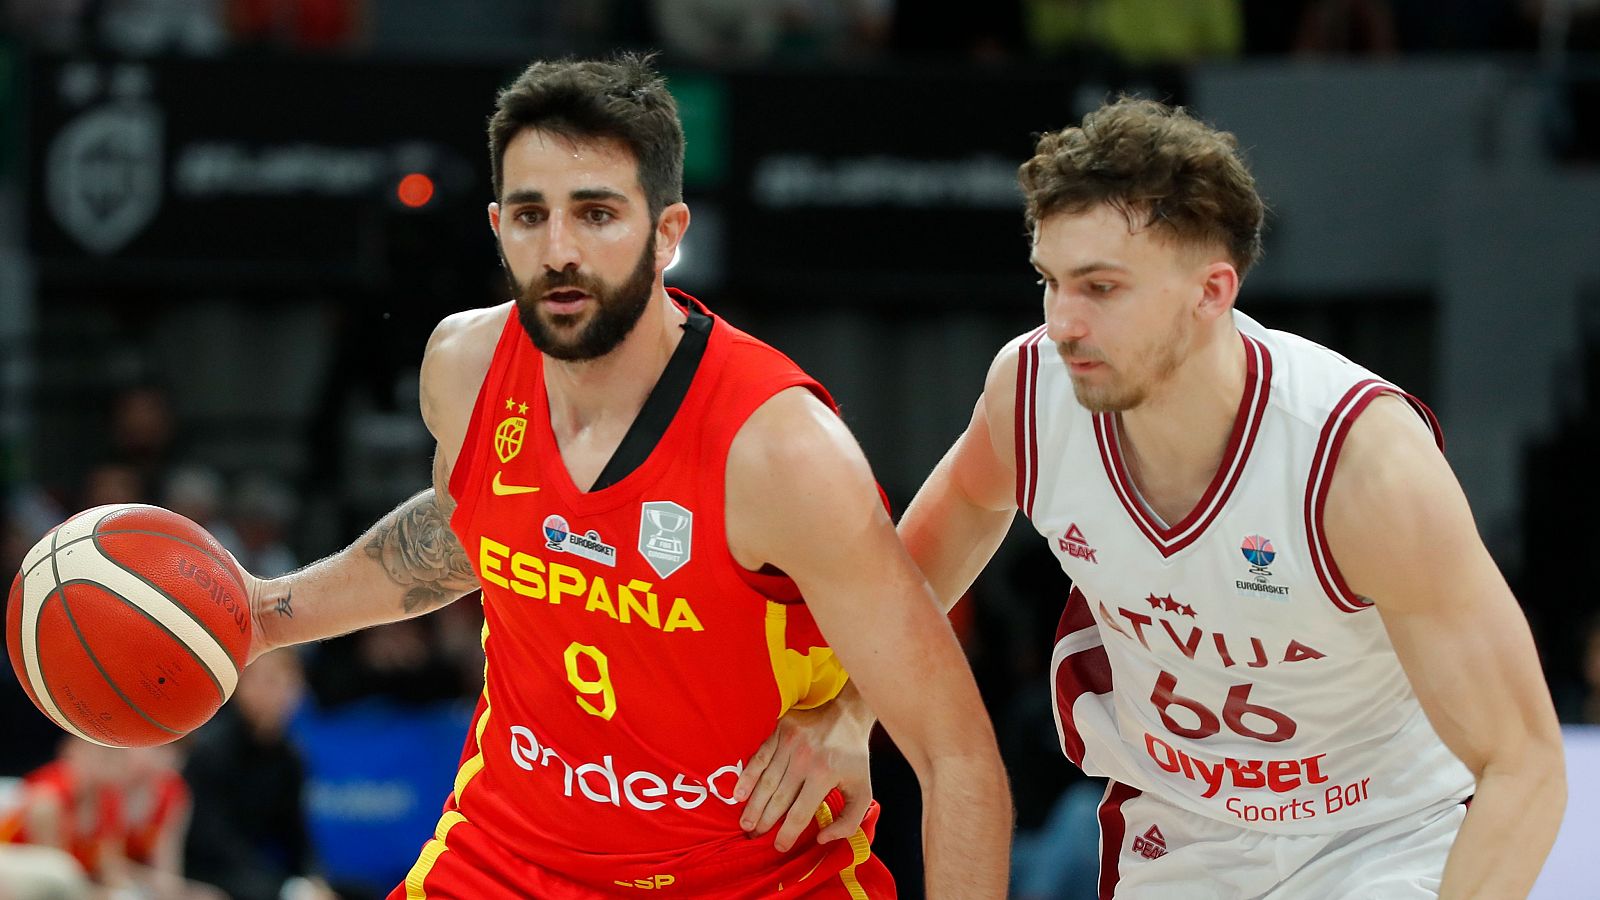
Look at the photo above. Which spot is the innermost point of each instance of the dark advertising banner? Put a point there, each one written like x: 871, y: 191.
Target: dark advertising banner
x: 244, y: 167
x: 882, y: 183
x: 894, y: 184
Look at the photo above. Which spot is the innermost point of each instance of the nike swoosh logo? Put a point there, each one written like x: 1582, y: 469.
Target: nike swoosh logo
x: 505, y: 490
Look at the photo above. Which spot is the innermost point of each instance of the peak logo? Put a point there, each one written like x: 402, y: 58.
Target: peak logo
x: 1150, y: 845
x: 1074, y: 545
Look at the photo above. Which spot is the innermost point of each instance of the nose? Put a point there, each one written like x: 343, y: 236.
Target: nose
x: 561, y: 251
x: 1064, y: 319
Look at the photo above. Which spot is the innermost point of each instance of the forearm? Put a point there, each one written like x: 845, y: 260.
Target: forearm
x: 950, y: 538
x: 1507, y: 834
x: 849, y: 705
x: 967, y: 824
x: 407, y: 564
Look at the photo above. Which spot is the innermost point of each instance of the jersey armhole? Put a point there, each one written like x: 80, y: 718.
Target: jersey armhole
x: 1026, y: 426
x: 771, y: 582
x: 1323, y: 463
x: 471, y: 443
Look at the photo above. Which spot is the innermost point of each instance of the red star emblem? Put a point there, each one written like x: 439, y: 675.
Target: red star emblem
x: 1187, y: 610
x: 1154, y: 601
x: 1170, y: 605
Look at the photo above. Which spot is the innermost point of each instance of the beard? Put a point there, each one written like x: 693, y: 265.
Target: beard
x: 616, y: 309
x: 1118, y: 394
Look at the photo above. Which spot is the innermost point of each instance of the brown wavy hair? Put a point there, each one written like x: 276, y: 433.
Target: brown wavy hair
x: 1160, y: 167
x: 621, y: 98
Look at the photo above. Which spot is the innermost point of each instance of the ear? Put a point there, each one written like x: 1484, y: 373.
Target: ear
x: 670, y: 229
x: 494, y: 217
x: 1218, y: 290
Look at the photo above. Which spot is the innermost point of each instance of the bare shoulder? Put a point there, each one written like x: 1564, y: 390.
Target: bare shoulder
x: 1003, y: 370
x: 1000, y: 385
x: 1394, y: 509
x: 992, y: 431
x: 793, y: 431
x: 453, y: 366
x: 1386, y: 447
x: 795, y: 455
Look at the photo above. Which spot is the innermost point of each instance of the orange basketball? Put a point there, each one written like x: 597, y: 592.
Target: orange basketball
x: 128, y: 625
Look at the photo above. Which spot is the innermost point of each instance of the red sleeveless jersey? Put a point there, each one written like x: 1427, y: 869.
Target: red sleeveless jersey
x: 171, y: 798
x: 84, y: 839
x: 633, y: 665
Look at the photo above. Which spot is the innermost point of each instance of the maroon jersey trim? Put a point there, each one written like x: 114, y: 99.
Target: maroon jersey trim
x: 1113, y: 831
x: 1323, y: 462
x: 1246, y: 426
x: 1087, y: 671
x: 1026, y: 426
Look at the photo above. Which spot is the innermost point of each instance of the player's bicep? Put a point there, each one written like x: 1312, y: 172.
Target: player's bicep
x: 442, y: 467
x: 985, y: 455
x: 807, y: 504
x: 1401, y: 532
x: 983, y: 472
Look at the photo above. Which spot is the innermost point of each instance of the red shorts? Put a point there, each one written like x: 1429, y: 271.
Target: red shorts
x: 470, y: 864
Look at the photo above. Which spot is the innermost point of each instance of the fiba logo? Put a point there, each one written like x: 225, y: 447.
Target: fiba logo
x: 1258, y: 553
x: 555, y: 532
x: 665, y: 536
x: 508, y: 438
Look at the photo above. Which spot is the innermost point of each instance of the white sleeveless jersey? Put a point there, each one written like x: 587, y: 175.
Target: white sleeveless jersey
x: 1221, y: 662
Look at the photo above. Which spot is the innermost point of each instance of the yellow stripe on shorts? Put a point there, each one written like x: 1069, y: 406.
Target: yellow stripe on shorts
x: 430, y: 855
x: 859, y: 846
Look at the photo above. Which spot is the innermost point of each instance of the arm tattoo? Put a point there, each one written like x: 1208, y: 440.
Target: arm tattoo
x: 418, y: 551
x: 283, y: 607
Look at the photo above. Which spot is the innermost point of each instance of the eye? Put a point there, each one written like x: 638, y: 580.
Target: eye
x: 530, y: 216
x: 1101, y: 287
x: 598, y: 216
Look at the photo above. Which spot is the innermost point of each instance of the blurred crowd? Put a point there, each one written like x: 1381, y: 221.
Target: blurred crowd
x: 733, y: 32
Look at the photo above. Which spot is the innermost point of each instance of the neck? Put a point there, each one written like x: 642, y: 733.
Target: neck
x: 589, y: 392
x: 1183, y: 427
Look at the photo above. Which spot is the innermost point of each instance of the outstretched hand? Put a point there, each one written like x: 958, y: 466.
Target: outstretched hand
x: 809, y: 754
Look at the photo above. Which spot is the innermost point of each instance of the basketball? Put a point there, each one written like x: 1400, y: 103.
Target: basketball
x: 127, y: 625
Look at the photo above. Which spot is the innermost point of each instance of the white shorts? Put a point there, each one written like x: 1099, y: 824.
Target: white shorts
x: 1152, y: 850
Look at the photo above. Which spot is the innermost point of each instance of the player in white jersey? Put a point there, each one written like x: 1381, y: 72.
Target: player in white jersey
x: 1286, y: 644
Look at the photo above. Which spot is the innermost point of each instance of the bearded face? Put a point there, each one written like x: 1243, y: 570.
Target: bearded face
x: 575, y: 315
x: 1126, y: 383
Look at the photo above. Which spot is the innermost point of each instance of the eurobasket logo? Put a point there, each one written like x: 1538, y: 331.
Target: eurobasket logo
x: 560, y: 537
x: 555, y: 532
x: 1258, y: 553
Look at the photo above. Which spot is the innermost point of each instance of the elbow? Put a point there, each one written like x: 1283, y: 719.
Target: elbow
x: 1539, y: 764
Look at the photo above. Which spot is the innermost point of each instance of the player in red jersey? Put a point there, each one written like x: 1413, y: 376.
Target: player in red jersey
x: 74, y: 803
x: 674, y: 534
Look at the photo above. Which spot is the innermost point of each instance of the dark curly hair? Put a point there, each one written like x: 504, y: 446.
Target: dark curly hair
x: 621, y: 98
x: 1159, y: 166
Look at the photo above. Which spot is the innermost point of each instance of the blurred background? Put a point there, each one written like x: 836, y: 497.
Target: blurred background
x: 228, y: 226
